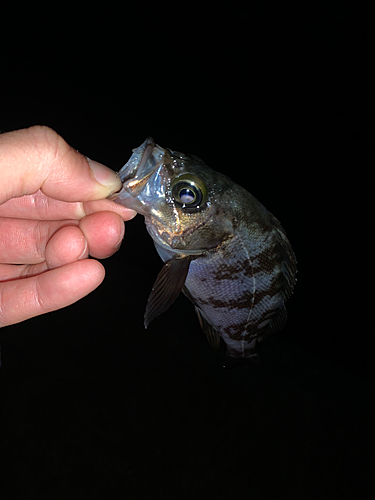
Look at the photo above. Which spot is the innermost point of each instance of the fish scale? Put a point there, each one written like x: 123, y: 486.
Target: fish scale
x: 222, y: 290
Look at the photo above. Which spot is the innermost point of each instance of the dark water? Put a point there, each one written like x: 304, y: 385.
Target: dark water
x: 281, y: 100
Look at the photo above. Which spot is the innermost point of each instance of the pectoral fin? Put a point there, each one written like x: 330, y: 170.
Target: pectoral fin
x: 167, y: 287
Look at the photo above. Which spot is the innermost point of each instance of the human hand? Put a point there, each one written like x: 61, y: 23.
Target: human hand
x: 53, y: 215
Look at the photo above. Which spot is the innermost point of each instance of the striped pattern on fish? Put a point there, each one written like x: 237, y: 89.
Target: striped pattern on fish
x: 241, y: 290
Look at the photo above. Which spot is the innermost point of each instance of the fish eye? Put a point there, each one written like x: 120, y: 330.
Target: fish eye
x: 189, y: 191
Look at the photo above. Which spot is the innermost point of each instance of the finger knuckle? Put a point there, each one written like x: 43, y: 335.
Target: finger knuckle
x: 48, y: 144
x: 40, y: 237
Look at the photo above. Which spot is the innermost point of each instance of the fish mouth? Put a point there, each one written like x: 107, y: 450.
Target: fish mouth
x: 137, y: 191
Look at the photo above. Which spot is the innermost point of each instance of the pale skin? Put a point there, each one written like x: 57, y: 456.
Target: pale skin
x: 53, y: 215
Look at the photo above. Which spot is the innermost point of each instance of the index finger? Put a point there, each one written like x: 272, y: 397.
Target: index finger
x: 41, y: 207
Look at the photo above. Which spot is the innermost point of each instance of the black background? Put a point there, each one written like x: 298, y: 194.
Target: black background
x: 279, y: 98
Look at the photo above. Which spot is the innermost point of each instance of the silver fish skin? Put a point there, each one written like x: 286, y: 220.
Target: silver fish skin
x: 220, y: 246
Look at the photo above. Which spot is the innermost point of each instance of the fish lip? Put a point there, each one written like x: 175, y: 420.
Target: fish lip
x: 135, y: 174
x: 134, y: 167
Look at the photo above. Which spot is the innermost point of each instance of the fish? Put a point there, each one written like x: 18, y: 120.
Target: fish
x: 220, y: 247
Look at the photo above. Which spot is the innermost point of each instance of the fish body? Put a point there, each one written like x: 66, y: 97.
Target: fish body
x: 219, y: 244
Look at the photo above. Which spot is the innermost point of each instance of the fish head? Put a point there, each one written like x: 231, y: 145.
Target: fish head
x: 181, y: 198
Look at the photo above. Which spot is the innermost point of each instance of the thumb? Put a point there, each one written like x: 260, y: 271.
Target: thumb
x: 38, y: 158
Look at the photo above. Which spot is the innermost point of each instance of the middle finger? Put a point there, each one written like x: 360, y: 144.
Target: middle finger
x: 24, y: 241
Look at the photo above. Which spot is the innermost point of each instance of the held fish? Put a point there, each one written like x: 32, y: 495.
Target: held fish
x: 220, y: 246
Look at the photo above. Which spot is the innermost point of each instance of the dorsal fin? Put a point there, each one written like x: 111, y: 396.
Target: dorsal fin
x: 287, y: 279
x: 167, y: 287
x: 277, y: 323
x: 289, y: 261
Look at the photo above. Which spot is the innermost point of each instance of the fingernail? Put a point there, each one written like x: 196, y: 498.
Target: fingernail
x: 84, y: 253
x: 105, y: 176
x: 121, y: 238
